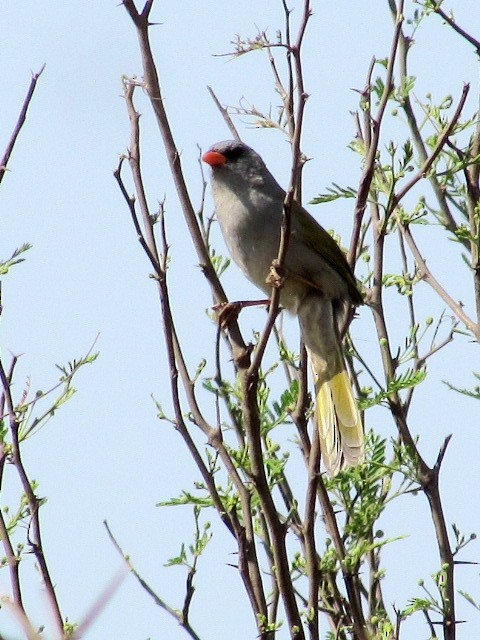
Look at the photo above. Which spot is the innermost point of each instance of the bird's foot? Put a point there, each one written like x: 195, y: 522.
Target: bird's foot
x: 228, y: 312
x: 276, y: 276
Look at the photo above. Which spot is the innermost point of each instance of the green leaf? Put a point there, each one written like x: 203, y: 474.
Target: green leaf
x: 14, y: 258
x: 470, y: 393
x: 416, y: 604
x: 335, y: 193
x: 469, y: 599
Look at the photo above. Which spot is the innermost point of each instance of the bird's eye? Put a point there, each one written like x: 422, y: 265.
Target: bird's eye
x: 233, y: 154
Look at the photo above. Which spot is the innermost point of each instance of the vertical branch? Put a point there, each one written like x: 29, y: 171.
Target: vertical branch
x: 250, y: 380
x: 276, y: 528
x: 313, y: 571
x: 374, y: 127
x: 244, y: 534
x: 34, y: 536
x: 355, y: 613
x: 472, y: 180
x: 152, y: 86
x: 12, y: 559
x: 446, y: 217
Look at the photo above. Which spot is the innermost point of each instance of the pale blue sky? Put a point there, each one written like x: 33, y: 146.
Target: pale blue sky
x: 105, y: 456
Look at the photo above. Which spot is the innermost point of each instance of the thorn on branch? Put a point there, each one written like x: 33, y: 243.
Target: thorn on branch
x: 441, y: 453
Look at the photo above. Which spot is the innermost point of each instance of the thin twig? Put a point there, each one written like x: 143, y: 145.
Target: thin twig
x: 152, y: 87
x: 457, y: 28
x: 375, y: 125
x: 34, y: 535
x: 225, y: 115
x: 20, y: 122
x: 313, y: 571
x: 175, y: 613
x: 12, y: 559
x: 441, y: 142
x: 426, y: 274
x: 101, y: 602
x: 447, y: 218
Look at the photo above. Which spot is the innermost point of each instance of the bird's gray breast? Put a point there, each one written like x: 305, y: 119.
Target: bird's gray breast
x: 251, y: 229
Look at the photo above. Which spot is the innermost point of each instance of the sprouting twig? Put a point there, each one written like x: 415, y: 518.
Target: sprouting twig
x: 34, y: 535
x: 441, y: 142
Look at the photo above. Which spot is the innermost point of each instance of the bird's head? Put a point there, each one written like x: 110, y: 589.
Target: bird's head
x: 235, y: 163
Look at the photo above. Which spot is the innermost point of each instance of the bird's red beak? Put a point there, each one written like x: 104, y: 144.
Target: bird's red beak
x: 214, y: 158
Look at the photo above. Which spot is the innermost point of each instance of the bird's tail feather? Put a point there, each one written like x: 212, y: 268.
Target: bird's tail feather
x: 338, y: 422
x: 336, y: 413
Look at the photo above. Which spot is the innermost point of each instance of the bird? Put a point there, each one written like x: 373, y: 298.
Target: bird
x: 319, y: 286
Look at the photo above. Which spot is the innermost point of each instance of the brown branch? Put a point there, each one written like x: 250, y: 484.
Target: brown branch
x: 101, y: 602
x: 243, y: 534
x: 225, y: 115
x: 472, y: 198
x: 277, y: 529
x: 365, y: 135
x: 472, y: 180
x: 20, y: 122
x: 131, y: 206
x: 447, y: 218
x: 427, y: 276
x: 441, y: 142
x: 311, y: 557
x: 12, y: 559
x: 457, y: 28
x: 288, y: 96
x: 376, y: 295
x: 429, y: 481
x: 175, y: 613
x: 375, y: 126
x: 294, y: 190
x: 250, y: 378
x: 355, y: 614
x: 34, y: 536
x: 134, y: 159
x: 428, y: 478
x: 152, y: 87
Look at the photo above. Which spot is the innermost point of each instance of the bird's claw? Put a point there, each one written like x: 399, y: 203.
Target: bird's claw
x: 276, y: 276
x: 228, y: 312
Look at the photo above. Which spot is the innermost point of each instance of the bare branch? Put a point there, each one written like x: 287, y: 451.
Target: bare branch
x: 225, y: 115
x: 12, y: 559
x: 175, y: 613
x: 450, y: 21
x: 152, y: 87
x: 309, y: 537
x: 375, y: 125
x: 20, y: 122
x: 426, y: 274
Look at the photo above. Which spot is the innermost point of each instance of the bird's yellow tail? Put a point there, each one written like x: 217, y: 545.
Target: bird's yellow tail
x: 336, y: 413
x: 338, y: 421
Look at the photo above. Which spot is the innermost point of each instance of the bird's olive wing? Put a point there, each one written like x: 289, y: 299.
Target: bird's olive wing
x: 322, y: 243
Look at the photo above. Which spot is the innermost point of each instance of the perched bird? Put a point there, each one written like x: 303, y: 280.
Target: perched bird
x: 319, y: 286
